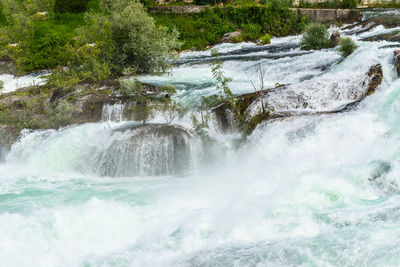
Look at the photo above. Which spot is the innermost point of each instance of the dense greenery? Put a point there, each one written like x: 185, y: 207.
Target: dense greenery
x: 347, y: 46
x: 315, y: 36
x: 112, y: 37
x: 207, y: 28
x: 73, y: 6
x: 329, y: 4
x: 41, y: 34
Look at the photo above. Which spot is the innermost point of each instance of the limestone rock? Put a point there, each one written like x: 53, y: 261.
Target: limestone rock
x: 230, y: 37
x: 335, y: 38
x: 148, y: 149
x: 397, y: 61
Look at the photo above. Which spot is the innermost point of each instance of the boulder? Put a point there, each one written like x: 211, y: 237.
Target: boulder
x: 397, y: 61
x: 89, y: 108
x: 376, y: 76
x: 231, y: 37
x: 390, y: 37
x: 8, y: 135
x: 147, y: 150
x: 335, y: 38
x: 300, y: 99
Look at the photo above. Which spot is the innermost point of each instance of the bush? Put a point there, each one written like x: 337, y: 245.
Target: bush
x: 72, y: 6
x: 347, y: 46
x: 349, y: 3
x: 315, y: 37
x: 251, y: 31
x: 266, y: 39
x: 128, y: 38
x: 207, y: 2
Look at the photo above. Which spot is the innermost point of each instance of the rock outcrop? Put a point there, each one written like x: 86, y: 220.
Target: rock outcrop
x: 148, y: 149
x: 231, y: 37
x: 397, y: 61
x: 388, y: 21
x: 334, y: 39
x: 311, y: 98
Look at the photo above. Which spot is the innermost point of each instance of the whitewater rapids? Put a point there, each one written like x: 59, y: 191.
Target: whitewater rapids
x: 304, y: 191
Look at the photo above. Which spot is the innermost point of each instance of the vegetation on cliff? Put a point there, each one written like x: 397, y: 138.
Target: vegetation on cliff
x: 199, y: 30
x: 111, y: 37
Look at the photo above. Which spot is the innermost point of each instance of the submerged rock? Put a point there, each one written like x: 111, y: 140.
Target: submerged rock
x: 391, y: 37
x: 147, y: 150
x: 312, y: 97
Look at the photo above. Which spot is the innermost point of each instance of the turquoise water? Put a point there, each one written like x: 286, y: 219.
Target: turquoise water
x: 304, y: 191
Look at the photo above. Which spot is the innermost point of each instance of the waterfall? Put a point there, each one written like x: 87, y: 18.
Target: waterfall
x: 321, y: 188
x: 113, y: 112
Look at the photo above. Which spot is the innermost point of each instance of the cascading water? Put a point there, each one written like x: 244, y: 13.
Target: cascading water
x: 312, y: 190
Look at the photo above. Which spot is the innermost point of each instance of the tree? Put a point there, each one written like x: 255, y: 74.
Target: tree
x: 260, y: 88
x: 168, y: 106
x: 135, y: 44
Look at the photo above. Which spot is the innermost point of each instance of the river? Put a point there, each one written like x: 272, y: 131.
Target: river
x: 311, y: 190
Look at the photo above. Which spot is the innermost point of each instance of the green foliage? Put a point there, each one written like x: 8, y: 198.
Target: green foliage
x: 315, y: 37
x: 276, y: 5
x: 251, y: 31
x: 329, y: 4
x: 71, y: 6
x: 130, y: 87
x: 197, y: 31
x: 168, y: 107
x: 265, y: 39
x: 346, y: 46
x: 349, y: 3
x: 208, y: 2
x: 128, y: 38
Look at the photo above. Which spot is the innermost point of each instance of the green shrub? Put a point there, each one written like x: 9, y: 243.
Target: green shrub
x: 266, y: 39
x: 207, y: 2
x: 237, y: 39
x: 349, y: 3
x: 315, y: 37
x: 347, y: 46
x: 71, y: 6
x: 251, y: 31
x: 276, y: 5
x: 128, y: 39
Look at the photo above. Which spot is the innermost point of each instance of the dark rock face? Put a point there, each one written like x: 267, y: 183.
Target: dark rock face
x: 376, y: 75
x: 397, y: 61
x: 147, y: 150
x: 230, y: 37
x: 7, y: 68
x: 89, y: 108
x: 335, y: 38
x: 387, y: 21
x: 223, y: 117
x: 8, y: 136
